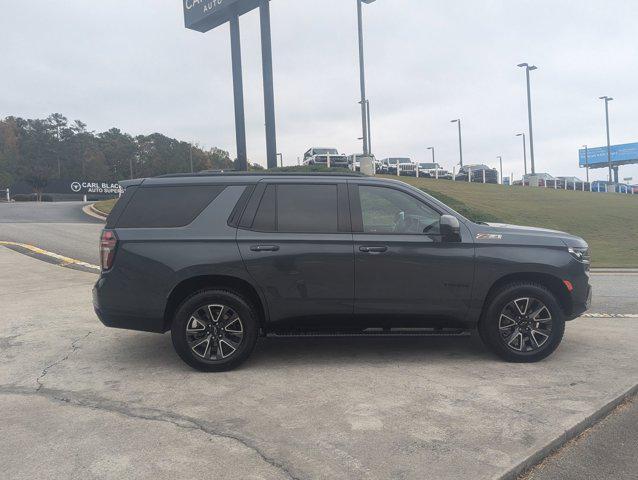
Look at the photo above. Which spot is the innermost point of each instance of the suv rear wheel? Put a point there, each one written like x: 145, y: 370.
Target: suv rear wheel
x: 214, y: 330
x: 523, y: 323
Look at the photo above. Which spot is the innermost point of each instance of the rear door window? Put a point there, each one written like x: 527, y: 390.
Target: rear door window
x: 307, y: 209
x: 167, y: 207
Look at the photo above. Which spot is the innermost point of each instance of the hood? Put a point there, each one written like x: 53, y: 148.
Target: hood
x: 527, y: 235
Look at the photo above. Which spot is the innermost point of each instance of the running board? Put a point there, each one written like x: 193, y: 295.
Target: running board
x: 376, y: 332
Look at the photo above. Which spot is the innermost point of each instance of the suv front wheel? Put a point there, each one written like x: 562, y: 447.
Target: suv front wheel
x: 522, y: 323
x: 214, y: 330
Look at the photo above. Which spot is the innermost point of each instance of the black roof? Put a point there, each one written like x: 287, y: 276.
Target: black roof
x: 234, y: 177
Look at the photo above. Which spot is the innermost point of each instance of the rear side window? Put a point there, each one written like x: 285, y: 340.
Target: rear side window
x: 167, y: 207
x: 299, y: 208
x: 307, y: 208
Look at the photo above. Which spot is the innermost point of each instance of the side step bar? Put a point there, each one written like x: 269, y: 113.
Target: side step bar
x: 375, y: 332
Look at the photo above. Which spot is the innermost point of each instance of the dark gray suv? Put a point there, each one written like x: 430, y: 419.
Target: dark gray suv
x: 222, y: 259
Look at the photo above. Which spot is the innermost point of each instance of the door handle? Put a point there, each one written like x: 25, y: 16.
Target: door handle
x: 380, y: 249
x: 264, y: 248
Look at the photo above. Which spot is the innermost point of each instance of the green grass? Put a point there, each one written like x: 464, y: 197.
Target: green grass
x: 105, y: 206
x: 609, y: 222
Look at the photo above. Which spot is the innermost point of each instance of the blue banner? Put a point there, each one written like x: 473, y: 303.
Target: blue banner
x: 620, y: 155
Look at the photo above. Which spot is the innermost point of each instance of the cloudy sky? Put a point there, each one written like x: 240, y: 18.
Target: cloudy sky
x: 133, y: 65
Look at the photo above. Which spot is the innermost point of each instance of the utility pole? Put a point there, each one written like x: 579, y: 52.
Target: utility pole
x: 432, y: 149
x: 458, y: 120
x: 362, y: 79
x: 530, y: 68
x: 524, y: 150
x: 587, y: 161
x: 190, y: 157
x: 607, y: 100
x: 500, y: 159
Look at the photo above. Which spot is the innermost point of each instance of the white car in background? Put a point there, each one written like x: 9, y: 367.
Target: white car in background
x: 433, y: 170
x: 325, y: 156
x: 403, y: 164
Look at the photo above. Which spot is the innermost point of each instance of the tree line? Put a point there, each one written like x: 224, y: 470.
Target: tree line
x: 37, y: 151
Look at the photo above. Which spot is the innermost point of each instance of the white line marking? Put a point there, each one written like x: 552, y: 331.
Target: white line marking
x: 610, y: 315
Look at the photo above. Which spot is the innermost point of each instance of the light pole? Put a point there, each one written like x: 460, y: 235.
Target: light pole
x: 530, y: 68
x: 190, y: 157
x: 458, y: 120
x: 362, y: 74
x: 500, y: 159
x: 432, y: 149
x: 607, y: 100
x: 524, y: 150
x: 369, y: 127
x: 586, y: 161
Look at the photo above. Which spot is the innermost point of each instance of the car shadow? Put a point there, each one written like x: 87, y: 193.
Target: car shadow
x: 151, y: 350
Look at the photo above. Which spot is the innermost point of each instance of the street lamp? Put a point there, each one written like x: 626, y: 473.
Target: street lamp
x: 529, y: 68
x: 500, y: 159
x: 432, y: 148
x: 458, y: 120
x: 586, y: 161
x: 607, y: 100
x: 190, y: 157
x: 524, y: 150
x: 364, y: 109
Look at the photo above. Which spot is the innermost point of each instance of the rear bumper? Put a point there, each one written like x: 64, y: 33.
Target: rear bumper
x: 117, y: 319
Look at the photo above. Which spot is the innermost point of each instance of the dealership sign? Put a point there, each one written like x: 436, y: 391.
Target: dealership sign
x: 73, y: 186
x: 95, y: 188
x: 620, y: 155
x: 204, y: 15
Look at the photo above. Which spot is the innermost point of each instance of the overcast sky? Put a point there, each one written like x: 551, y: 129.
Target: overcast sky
x: 133, y: 65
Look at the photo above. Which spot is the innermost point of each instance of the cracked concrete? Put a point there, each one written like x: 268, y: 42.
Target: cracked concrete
x: 82, y: 401
x: 74, y: 347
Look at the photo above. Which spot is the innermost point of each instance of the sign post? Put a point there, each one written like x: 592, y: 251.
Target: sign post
x: 205, y: 15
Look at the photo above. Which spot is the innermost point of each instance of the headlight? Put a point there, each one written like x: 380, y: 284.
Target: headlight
x: 579, y: 253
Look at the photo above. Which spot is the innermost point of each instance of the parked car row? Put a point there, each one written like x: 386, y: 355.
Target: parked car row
x: 400, y: 166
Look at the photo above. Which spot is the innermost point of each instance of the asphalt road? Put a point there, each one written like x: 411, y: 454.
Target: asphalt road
x: 62, y: 228
x: 608, y: 450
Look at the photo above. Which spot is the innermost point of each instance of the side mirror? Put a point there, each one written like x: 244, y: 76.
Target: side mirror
x: 450, y: 228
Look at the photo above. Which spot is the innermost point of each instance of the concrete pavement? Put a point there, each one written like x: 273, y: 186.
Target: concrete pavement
x: 97, y: 403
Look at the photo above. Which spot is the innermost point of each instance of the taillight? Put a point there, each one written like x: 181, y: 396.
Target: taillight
x: 108, y: 242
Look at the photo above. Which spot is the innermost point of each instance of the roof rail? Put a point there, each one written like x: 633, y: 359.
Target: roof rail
x: 262, y: 174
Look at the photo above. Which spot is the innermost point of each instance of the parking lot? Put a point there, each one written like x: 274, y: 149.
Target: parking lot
x: 83, y: 401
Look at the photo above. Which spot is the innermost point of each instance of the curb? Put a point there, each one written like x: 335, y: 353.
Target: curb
x: 94, y: 212
x: 568, y: 435
x: 50, y: 257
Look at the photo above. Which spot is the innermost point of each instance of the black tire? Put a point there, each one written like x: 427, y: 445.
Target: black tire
x: 194, y: 324
x: 526, y: 339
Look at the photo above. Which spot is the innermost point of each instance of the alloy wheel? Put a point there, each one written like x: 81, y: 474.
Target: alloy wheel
x: 525, y: 325
x: 214, y: 332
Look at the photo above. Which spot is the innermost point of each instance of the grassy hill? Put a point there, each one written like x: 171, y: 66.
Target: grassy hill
x: 609, y: 222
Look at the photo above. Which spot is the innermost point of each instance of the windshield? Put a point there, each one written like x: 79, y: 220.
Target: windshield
x: 429, y: 165
x: 325, y: 151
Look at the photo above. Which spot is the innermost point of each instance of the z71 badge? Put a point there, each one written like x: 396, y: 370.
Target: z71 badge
x: 488, y: 236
